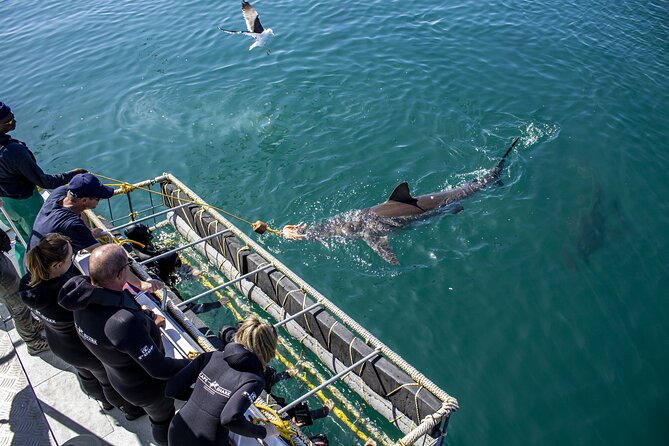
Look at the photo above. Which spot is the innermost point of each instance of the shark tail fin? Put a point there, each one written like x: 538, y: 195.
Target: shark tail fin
x: 511, y: 147
x: 498, y: 168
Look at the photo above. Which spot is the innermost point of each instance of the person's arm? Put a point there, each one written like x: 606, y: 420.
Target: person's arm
x: 27, y: 166
x: 180, y: 385
x: 81, y: 235
x: 128, y: 332
x: 232, y: 416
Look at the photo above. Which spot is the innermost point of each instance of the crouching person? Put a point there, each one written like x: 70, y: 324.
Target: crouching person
x: 125, y: 338
x: 225, y: 385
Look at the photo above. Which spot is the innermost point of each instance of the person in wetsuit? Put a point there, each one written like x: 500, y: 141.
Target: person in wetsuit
x: 49, y: 267
x: 123, y: 336
x: 225, y: 385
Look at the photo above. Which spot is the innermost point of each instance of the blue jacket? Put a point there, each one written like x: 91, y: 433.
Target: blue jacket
x: 19, y: 172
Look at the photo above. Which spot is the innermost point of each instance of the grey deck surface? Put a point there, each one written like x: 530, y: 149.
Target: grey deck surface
x: 41, y: 402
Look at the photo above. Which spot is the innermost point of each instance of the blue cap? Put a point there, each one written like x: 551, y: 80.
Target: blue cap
x: 4, y: 110
x: 88, y: 185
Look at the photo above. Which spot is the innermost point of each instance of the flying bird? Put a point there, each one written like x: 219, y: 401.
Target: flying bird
x: 255, y: 29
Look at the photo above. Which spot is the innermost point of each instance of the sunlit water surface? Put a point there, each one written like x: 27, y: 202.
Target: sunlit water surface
x: 542, y: 307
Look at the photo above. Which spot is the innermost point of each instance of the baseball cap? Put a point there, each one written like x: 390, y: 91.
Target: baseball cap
x: 4, y: 110
x: 88, y: 185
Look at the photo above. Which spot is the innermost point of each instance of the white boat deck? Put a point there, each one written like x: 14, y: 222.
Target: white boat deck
x: 41, y: 402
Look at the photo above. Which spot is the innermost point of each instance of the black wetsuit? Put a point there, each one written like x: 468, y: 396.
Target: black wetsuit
x: 226, y: 383
x: 63, y: 340
x: 127, y: 342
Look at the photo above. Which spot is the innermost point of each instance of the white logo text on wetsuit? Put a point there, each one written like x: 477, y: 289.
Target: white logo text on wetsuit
x: 85, y: 337
x: 44, y: 318
x: 146, y: 351
x: 212, y: 386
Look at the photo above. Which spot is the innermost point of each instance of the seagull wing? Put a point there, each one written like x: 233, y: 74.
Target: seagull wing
x: 251, y: 18
x: 230, y: 31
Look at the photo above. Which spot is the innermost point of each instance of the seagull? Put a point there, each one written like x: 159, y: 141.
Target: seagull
x: 255, y: 29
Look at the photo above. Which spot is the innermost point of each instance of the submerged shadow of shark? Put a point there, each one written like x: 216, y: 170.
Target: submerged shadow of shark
x: 597, y: 223
x: 375, y: 223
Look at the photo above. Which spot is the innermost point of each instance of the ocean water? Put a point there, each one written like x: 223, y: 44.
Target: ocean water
x: 542, y: 307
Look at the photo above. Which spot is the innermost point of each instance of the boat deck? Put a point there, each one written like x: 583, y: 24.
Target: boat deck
x: 41, y: 402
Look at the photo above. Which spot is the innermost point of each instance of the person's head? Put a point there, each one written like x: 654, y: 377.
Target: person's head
x: 50, y: 258
x: 259, y: 337
x: 86, y: 191
x: 108, y: 267
x: 7, y: 121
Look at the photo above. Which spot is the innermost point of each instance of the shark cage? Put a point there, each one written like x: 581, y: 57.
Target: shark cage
x: 375, y: 395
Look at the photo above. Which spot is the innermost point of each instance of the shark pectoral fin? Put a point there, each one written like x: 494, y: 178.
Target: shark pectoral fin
x: 455, y: 208
x: 381, y: 246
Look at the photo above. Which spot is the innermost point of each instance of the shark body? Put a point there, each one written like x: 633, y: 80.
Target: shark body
x: 374, y: 224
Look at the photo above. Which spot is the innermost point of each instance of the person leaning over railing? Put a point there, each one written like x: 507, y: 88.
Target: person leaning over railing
x: 49, y: 267
x: 123, y: 336
x: 225, y: 385
x: 62, y: 212
x: 20, y: 174
x: 27, y: 327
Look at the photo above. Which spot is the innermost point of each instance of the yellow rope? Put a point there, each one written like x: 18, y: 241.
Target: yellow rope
x: 273, y: 417
x: 127, y: 240
x: 127, y: 187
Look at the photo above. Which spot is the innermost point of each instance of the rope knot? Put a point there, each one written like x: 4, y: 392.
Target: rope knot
x: 126, y: 188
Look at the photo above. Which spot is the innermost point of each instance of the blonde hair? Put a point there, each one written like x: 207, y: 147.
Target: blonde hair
x: 259, y: 337
x: 51, y: 249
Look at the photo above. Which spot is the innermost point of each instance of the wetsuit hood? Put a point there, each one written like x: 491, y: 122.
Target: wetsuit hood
x: 78, y: 293
x: 241, y: 359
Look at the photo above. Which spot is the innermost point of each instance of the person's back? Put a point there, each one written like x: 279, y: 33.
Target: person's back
x: 61, y: 212
x: 225, y: 385
x: 20, y: 175
x: 123, y: 336
x: 49, y: 268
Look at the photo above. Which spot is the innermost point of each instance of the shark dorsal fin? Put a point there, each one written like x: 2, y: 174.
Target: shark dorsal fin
x: 401, y: 194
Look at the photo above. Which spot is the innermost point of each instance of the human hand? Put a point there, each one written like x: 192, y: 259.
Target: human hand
x: 99, y: 233
x: 294, y: 232
x: 151, y: 285
x: 272, y: 431
x: 159, y: 320
x: 78, y: 170
x: 292, y: 372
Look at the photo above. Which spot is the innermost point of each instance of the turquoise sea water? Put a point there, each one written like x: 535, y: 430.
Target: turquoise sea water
x: 542, y: 307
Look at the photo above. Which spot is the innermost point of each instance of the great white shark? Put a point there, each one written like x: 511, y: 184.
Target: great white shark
x: 374, y: 224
